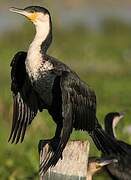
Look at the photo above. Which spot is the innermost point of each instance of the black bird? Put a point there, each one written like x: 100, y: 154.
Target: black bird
x: 40, y: 81
x: 95, y: 165
x: 122, y: 169
x: 111, y: 121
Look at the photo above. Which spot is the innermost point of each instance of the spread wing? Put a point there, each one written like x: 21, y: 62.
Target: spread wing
x: 125, y: 145
x: 78, y: 111
x: 25, y: 104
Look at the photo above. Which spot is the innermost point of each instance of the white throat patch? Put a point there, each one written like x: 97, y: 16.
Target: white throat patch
x: 115, y: 121
x: 34, y: 57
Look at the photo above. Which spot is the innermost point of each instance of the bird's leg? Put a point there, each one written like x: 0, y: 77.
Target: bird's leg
x: 53, y: 143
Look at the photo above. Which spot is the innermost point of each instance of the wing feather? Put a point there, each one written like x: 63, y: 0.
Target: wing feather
x: 25, y: 103
x: 78, y: 110
x: 66, y: 131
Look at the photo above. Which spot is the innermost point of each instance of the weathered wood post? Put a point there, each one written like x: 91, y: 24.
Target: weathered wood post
x: 73, y: 166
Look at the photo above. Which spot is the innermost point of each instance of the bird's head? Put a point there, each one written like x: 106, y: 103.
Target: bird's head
x: 35, y: 14
x: 112, y: 118
x: 95, y: 165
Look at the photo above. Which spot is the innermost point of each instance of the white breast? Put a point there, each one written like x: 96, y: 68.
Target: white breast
x: 36, y: 64
x: 34, y: 60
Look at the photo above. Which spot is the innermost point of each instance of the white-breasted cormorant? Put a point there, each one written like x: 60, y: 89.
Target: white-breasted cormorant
x: 122, y: 169
x: 111, y: 121
x: 95, y: 165
x: 40, y: 81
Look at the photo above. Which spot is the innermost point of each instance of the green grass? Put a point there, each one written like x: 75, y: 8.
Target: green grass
x: 102, y: 59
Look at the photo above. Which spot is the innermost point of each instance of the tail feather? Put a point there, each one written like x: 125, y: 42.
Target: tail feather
x: 106, y: 143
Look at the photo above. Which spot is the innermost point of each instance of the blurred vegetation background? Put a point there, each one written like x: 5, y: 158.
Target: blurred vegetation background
x: 95, y: 40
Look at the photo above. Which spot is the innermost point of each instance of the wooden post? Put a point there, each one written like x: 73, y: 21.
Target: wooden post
x: 73, y: 166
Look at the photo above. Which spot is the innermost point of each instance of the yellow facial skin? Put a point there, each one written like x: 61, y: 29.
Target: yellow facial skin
x: 33, y: 16
x: 98, y: 166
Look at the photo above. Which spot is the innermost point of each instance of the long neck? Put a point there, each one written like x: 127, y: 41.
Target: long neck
x: 46, y: 43
x: 38, y: 48
x: 109, y: 129
x: 43, y: 37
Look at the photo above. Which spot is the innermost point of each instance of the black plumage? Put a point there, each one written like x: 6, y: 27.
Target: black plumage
x: 96, y: 165
x: 52, y: 85
x: 122, y: 169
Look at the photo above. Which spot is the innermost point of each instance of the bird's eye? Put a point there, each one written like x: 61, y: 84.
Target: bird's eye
x: 32, y: 11
x: 29, y: 10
